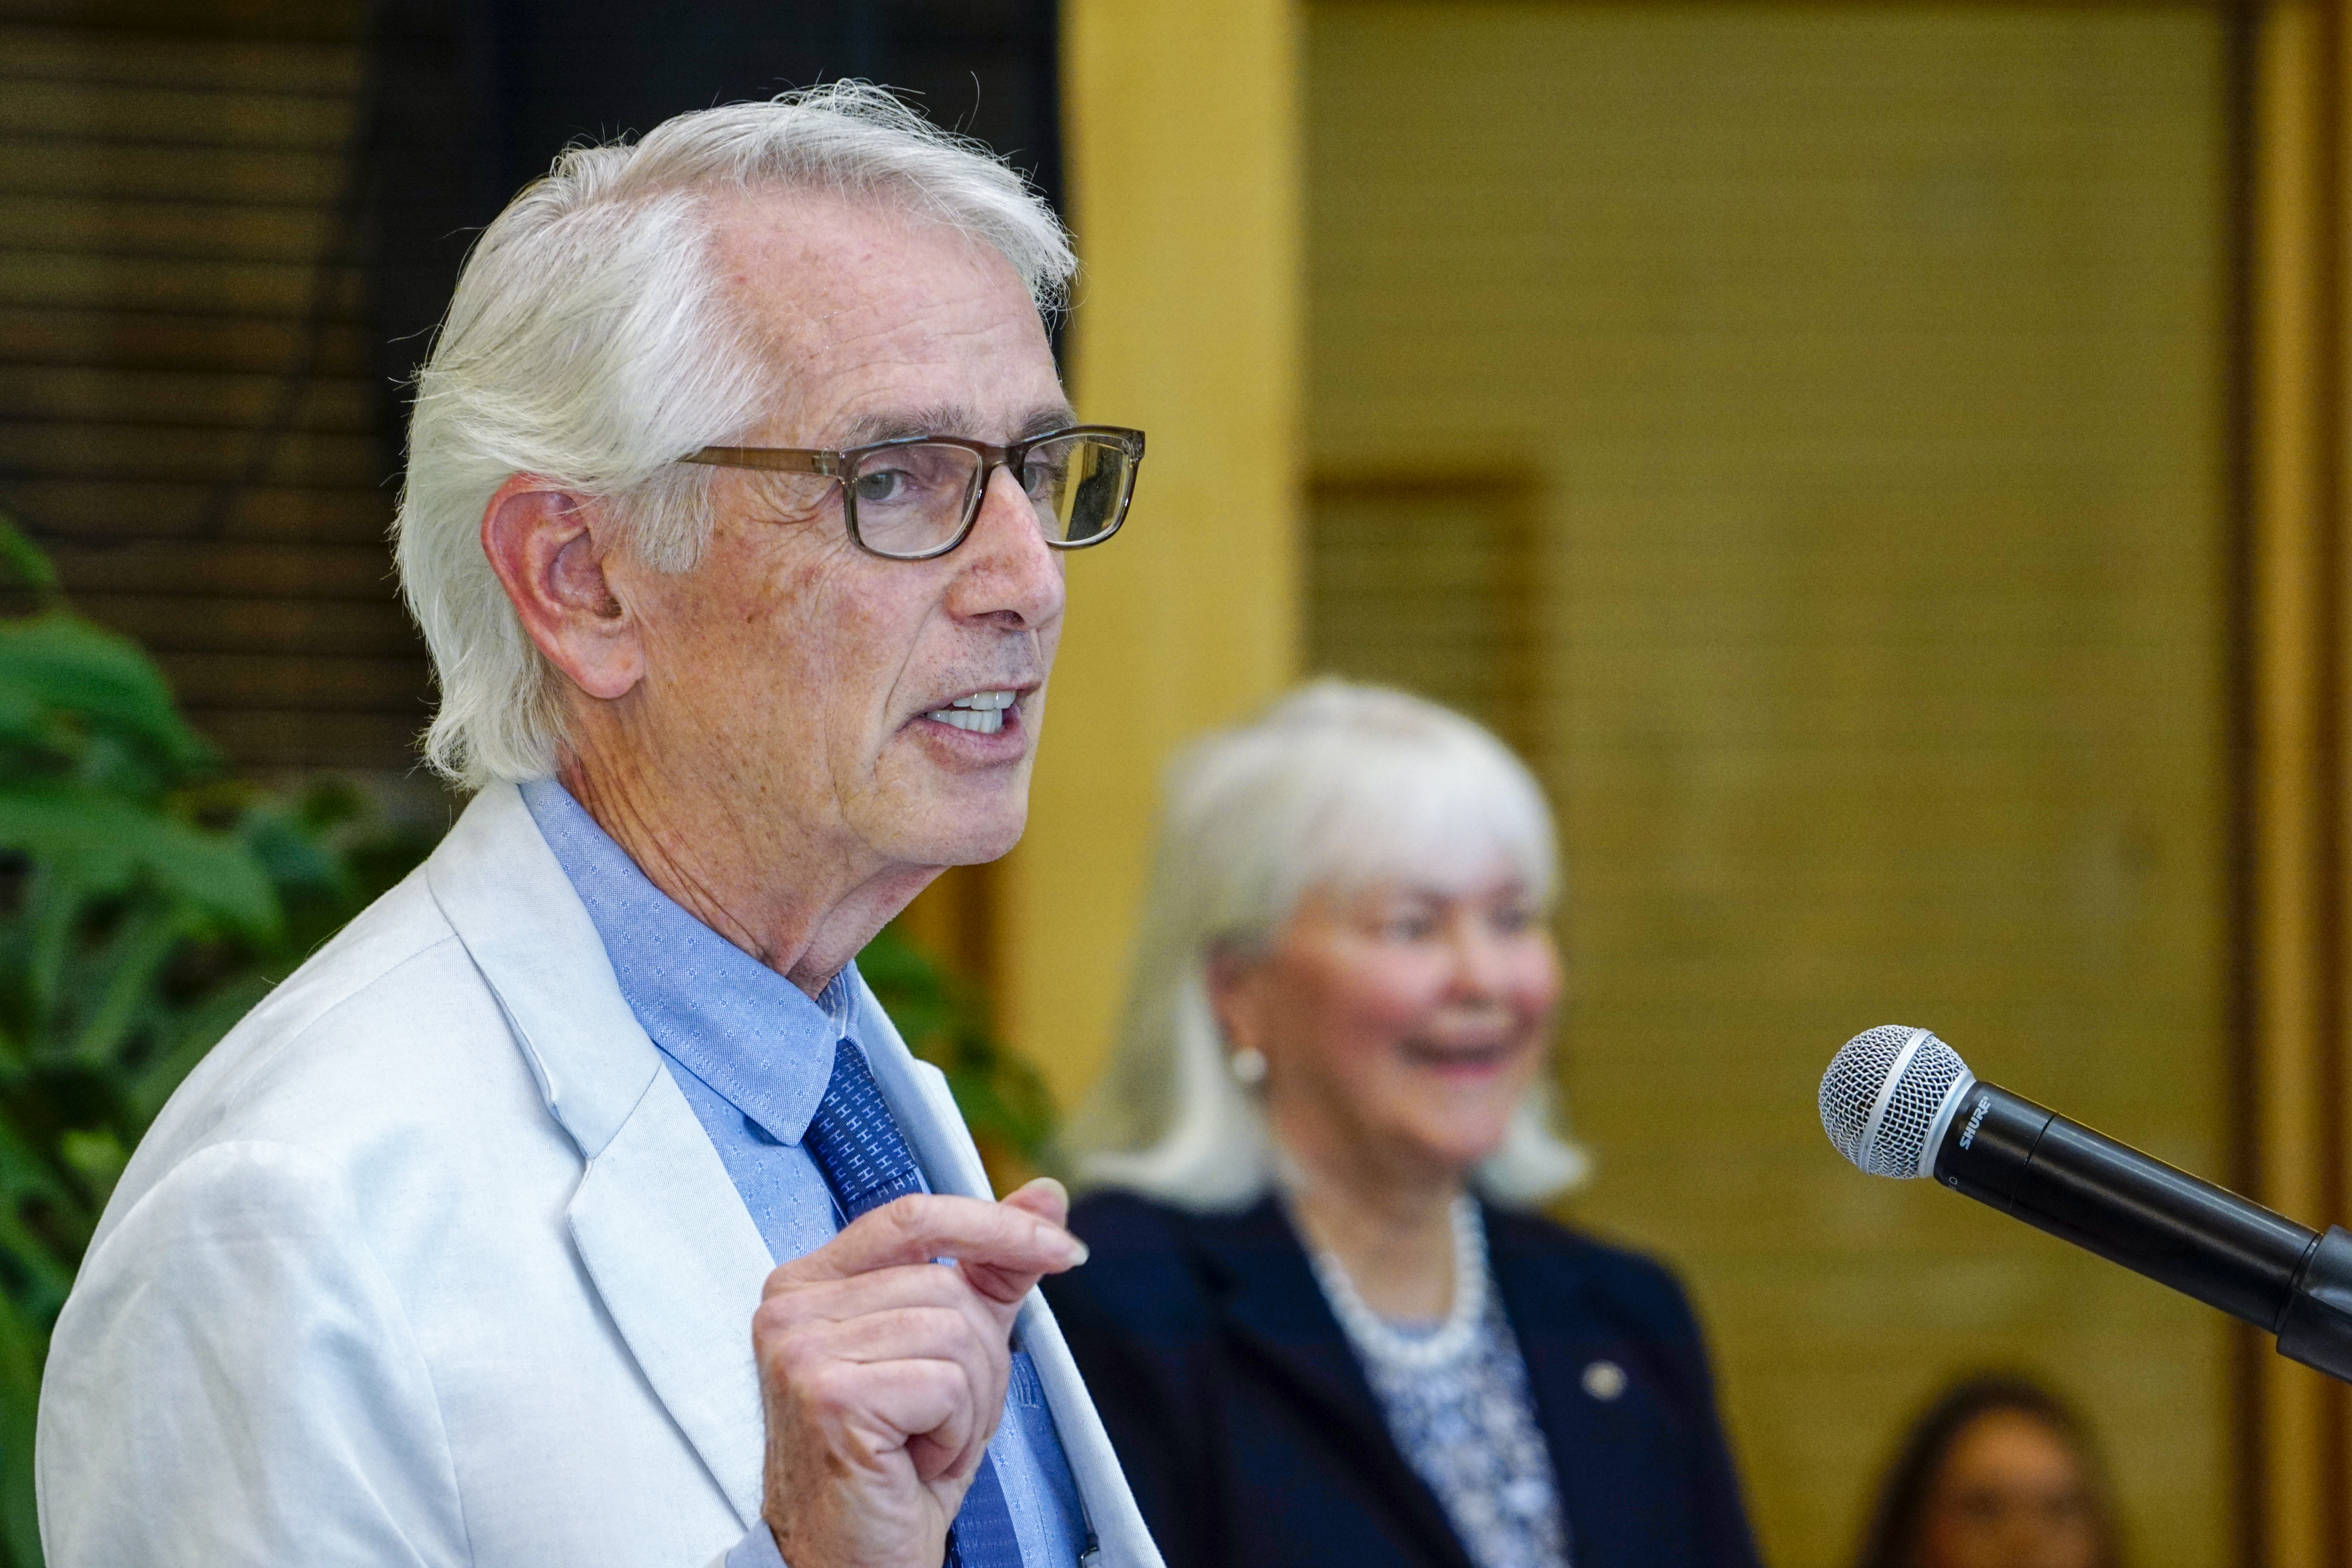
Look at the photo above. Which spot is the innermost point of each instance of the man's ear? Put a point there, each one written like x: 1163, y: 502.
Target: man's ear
x: 548, y: 546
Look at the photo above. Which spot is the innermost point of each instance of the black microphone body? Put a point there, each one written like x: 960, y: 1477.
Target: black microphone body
x: 2059, y: 1176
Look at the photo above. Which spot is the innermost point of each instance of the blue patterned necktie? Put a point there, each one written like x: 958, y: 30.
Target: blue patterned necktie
x: 864, y: 1158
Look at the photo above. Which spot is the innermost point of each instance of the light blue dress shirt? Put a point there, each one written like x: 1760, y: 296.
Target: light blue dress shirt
x: 752, y: 1053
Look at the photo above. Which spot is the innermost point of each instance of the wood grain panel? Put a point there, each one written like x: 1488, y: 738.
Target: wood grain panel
x: 314, y: 574
x: 189, y: 407
x: 168, y: 173
x: 96, y: 280
x: 133, y: 340
x: 183, y: 623
x: 105, y: 396
x: 1867, y: 365
x: 65, y: 449
x: 105, y: 112
x: 112, y: 226
x: 88, y: 56
x: 93, y: 510
x: 309, y: 740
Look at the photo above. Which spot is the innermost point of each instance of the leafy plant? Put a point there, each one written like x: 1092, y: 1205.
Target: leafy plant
x: 1003, y: 1100
x: 147, y: 902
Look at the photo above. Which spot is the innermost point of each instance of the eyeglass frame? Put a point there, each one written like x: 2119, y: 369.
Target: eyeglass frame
x: 841, y: 467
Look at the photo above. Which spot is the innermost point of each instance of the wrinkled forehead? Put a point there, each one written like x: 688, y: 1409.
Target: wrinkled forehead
x: 860, y: 306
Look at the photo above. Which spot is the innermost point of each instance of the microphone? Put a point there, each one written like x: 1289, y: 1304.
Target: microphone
x: 1898, y: 1101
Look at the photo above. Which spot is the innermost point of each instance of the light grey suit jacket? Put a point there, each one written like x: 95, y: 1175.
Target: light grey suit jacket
x: 430, y: 1262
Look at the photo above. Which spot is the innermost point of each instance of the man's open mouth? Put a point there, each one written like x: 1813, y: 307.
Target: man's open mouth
x: 982, y: 712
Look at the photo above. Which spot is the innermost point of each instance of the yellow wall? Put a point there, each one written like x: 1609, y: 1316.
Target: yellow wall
x: 1181, y: 135
x: 1851, y: 380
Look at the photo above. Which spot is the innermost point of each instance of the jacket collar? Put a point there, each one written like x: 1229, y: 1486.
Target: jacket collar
x: 1559, y: 1309
x: 503, y: 890
x: 662, y: 1232
x: 1272, y: 1307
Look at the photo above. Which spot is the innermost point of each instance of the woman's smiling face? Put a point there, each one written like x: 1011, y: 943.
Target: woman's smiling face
x: 1400, y: 1023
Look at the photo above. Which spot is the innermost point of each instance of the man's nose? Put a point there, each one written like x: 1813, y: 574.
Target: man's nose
x: 1007, y: 570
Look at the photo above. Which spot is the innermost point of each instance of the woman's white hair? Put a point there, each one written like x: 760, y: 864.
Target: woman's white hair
x: 590, y: 341
x: 1338, y: 786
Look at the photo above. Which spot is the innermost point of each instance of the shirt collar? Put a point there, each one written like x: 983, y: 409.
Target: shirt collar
x: 757, y: 1039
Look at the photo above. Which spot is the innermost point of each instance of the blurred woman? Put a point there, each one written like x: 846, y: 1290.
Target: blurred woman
x: 1997, y: 1474
x: 1319, y: 1319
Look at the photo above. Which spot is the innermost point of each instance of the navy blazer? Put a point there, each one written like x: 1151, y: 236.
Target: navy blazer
x: 1253, y: 1440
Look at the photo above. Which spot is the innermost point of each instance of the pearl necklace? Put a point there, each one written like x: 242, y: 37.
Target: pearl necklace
x: 1453, y: 1340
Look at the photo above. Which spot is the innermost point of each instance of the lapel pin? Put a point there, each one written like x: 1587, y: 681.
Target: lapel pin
x: 1604, y: 1380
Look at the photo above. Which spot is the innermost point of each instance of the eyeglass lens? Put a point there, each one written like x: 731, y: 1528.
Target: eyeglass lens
x: 913, y: 501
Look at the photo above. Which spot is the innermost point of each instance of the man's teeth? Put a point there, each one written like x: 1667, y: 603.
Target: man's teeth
x: 982, y: 712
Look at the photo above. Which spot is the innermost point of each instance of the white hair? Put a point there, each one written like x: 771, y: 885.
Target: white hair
x: 1338, y: 786
x: 591, y: 341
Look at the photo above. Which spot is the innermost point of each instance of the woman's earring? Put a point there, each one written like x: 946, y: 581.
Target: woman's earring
x: 1248, y: 1066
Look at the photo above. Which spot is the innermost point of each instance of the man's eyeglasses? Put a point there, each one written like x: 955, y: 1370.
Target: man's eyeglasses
x: 914, y: 498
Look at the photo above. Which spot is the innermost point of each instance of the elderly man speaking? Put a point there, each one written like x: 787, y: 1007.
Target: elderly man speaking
x: 577, y: 1205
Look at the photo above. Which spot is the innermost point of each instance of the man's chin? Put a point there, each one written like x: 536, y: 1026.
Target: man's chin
x: 969, y: 835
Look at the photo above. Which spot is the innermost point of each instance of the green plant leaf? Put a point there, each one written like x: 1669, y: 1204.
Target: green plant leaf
x: 23, y: 1349
x: 59, y: 664
x: 22, y: 564
x: 102, y: 845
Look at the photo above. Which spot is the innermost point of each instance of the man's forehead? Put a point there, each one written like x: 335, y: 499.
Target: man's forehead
x: 882, y: 324
x: 800, y: 259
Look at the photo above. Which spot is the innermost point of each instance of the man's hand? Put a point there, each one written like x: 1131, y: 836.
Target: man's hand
x: 882, y: 1374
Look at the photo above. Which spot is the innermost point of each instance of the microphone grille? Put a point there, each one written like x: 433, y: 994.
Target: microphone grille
x: 1882, y: 1094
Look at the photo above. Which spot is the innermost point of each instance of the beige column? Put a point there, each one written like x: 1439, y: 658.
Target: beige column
x: 1182, y: 132
x: 2298, y: 955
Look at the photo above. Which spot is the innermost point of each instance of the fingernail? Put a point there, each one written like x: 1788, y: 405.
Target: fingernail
x: 1073, y: 1251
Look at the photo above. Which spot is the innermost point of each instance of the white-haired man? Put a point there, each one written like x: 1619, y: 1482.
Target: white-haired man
x: 578, y: 1204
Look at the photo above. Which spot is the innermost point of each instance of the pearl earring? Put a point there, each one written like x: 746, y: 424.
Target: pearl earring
x: 1248, y: 1066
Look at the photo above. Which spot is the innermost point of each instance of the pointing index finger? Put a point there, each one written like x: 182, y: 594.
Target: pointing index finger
x: 923, y: 1226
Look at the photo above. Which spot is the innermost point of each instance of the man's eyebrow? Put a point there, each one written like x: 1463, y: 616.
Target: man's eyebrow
x: 945, y: 419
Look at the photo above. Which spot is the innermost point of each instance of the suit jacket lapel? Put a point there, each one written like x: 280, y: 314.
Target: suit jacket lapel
x: 1272, y: 1307
x: 661, y: 1230
x: 1537, y: 1287
x: 917, y: 1094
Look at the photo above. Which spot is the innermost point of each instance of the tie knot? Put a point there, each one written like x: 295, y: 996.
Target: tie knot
x: 856, y: 1141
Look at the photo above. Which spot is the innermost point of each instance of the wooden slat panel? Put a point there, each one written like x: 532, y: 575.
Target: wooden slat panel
x: 259, y: 738
x: 187, y: 624
x: 168, y: 173
x: 205, y: 230
x: 317, y: 573
x: 1445, y: 555
x: 210, y: 64
x: 208, y: 21
x: 169, y: 180
x: 51, y: 394
x: 98, y: 112
x: 1870, y: 360
x: 86, y: 280
x: 131, y: 340
x: 116, y: 509
x: 111, y: 452
x: 331, y: 683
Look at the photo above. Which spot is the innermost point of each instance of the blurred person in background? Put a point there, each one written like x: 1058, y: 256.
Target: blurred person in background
x: 1997, y: 1473
x: 1321, y: 1320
